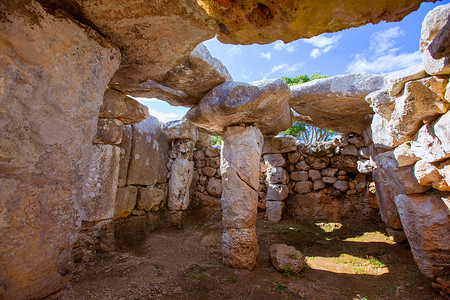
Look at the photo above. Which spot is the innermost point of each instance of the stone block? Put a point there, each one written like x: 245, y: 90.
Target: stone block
x: 240, y: 248
x: 274, y: 160
x: 314, y: 174
x: 109, y: 131
x: 299, y: 175
x: 119, y: 106
x: 277, y: 192
x: 283, y: 144
x: 277, y: 175
x: 214, y: 187
x: 150, y: 198
x: 274, y: 211
x: 180, y: 180
x: 125, y: 201
x: 303, y: 187
x: 125, y: 154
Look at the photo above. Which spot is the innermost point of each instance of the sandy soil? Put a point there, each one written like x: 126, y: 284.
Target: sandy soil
x: 342, y: 263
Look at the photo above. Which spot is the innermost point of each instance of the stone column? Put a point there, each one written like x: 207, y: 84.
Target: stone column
x: 241, y: 152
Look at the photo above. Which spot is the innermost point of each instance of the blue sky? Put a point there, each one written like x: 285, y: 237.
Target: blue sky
x: 381, y: 48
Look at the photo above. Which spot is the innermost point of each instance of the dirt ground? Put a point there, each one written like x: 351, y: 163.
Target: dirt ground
x: 342, y: 263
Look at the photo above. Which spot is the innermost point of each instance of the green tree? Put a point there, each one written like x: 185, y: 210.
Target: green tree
x: 216, y: 140
x: 306, y: 133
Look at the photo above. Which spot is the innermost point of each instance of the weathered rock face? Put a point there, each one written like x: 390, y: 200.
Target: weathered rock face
x: 125, y: 201
x: 426, y: 223
x: 48, y: 120
x: 264, y: 103
x: 434, y: 40
x: 180, y: 129
x: 118, y: 106
x: 264, y: 22
x: 286, y: 258
x: 125, y: 155
x: 241, y: 152
x: 179, y: 183
x: 100, y: 190
x: 149, y: 153
x: 337, y: 103
x: 279, y: 144
x: 153, y: 37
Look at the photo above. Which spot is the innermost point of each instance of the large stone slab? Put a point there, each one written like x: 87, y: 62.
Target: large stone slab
x: 125, y: 201
x: 240, y: 161
x: 240, y: 247
x: 337, y: 103
x: 426, y: 224
x: 180, y: 129
x: 426, y: 146
x: 149, y: 153
x: 119, y: 106
x: 442, y: 131
x: 435, y: 22
x: 101, y: 186
x: 264, y: 103
x: 125, y: 155
x: 279, y: 144
x: 53, y: 73
x: 395, y: 81
x: 267, y: 21
x: 181, y: 177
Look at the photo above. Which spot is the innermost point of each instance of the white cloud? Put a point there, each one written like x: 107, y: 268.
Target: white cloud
x: 267, y: 55
x: 322, y: 43
x: 165, y: 117
x: 278, y: 68
x: 235, y: 50
x: 384, y: 63
x: 294, y: 68
x: 284, y: 69
x: 382, y: 56
x: 280, y: 46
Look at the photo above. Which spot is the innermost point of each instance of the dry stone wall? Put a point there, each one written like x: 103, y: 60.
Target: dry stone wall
x: 410, y: 131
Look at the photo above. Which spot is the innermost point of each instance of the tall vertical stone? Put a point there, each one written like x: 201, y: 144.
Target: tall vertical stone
x: 53, y: 73
x: 240, y: 159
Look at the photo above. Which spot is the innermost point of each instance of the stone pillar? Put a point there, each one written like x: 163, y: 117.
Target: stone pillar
x: 240, y: 159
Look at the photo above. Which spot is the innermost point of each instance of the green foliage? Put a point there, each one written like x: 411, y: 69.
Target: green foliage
x: 281, y: 288
x: 303, y: 78
x: 308, y: 134
x: 216, y: 140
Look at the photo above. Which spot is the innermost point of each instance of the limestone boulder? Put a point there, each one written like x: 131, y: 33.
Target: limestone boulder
x: 364, y: 166
x: 180, y: 180
x: 240, y: 161
x: 411, y: 185
x: 442, y: 131
x: 388, y: 186
x: 264, y: 103
x: 149, y: 153
x: 150, y: 198
x: 274, y: 211
x: 429, y: 174
x: 277, y: 175
x: 274, y: 160
x: 277, y: 192
x: 99, y: 197
x: 381, y: 135
x: 426, y: 146
x: 426, y: 224
x: 125, y: 155
x: 52, y: 84
x: 404, y: 155
x: 180, y: 129
x: 348, y: 163
x: 381, y: 103
x: 435, y: 22
x: 395, y: 81
x: 421, y: 101
x: 214, y: 187
x: 286, y: 258
x: 119, y: 106
x: 109, y: 131
x: 265, y: 21
x: 240, y: 247
x: 279, y: 144
x: 204, y: 140
x: 337, y: 103
x: 125, y: 201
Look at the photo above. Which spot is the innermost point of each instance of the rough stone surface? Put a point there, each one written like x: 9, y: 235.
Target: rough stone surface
x: 328, y: 179
x: 347, y: 163
x: 264, y: 103
x: 212, y: 152
x: 388, y: 186
x: 303, y: 187
x: 426, y: 223
x: 317, y: 148
x: 365, y: 166
x: 214, y: 187
x: 118, y: 106
x: 434, y: 22
x: 408, y: 179
x: 337, y: 103
x: 125, y: 154
x: 274, y: 160
x: 109, y: 131
x: 314, y: 174
x: 277, y: 192
x: 426, y: 146
x: 330, y: 172
x: 442, y: 131
x: 149, y: 153
x: 52, y: 84
x: 240, y: 247
x: 428, y: 174
x: 381, y: 135
x: 341, y: 185
x: 381, y: 103
x: 349, y: 150
x: 299, y: 175
x: 265, y: 21
x: 125, y: 201
x: 277, y: 175
x: 404, y: 155
x: 240, y: 159
x: 180, y: 180
x: 100, y: 190
x: 279, y: 144
x: 180, y: 129
x: 318, y: 185
x: 150, y: 198
x: 283, y: 256
x: 204, y: 140
x: 318, y: 163
x: 274, y: 211
x: 395, y: 81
